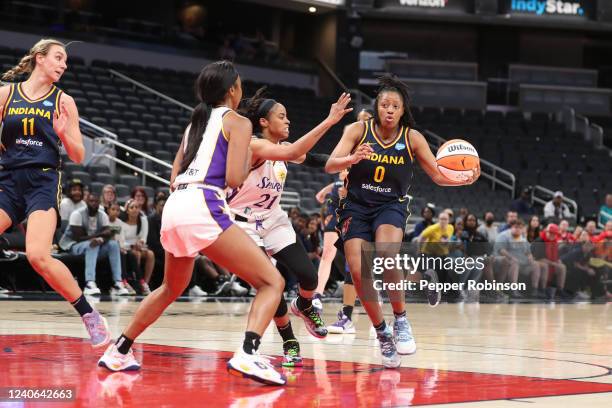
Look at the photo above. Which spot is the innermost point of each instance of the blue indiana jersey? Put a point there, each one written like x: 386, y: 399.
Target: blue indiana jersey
x: 386, y: 175
x: 334, y: 197
x: 28, y: 135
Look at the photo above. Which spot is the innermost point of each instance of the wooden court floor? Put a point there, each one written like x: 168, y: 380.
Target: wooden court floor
x: 468, y: 355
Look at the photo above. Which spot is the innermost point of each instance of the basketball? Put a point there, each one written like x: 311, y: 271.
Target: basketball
x: 456, y: 159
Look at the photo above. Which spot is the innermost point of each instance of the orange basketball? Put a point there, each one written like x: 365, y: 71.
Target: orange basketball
x: 456, y: 159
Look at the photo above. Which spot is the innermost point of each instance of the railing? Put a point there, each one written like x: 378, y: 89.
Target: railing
x: 549, y: 193
x: 289, y: 199
x: 105, y: 141
x: 360, y: 98
x: 149, y: 89
x: 489, y: 170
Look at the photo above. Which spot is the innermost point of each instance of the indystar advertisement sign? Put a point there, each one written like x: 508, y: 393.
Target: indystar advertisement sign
x: 463, y: 6
x: 576, y: 8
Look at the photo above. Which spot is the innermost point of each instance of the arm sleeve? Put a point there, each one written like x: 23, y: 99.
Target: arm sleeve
x: 315, y: 160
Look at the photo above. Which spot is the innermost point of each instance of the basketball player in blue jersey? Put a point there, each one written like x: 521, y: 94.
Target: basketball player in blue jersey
x: 39, y: 118
x: 381, y: 155
x: 196, y: 218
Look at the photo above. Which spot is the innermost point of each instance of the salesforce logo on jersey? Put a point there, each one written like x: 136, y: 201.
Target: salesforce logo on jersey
x: 547, y: 7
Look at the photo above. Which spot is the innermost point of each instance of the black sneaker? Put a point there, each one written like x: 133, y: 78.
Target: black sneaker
x: 433, y: 296
x: 312, y: 319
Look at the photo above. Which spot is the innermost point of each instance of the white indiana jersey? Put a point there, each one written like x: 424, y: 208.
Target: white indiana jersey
x: 259, y: 196
x: 208, y: 166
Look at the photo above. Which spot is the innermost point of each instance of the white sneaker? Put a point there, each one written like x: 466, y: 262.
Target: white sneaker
x: 4, y: 290
x: 197, y: 291
x: 402, y: 336
x: 119, y: 289
x: 145, y: 289
x: 91, y: 289
x: 237, y: 289
x: 388, y: 351
x: 256, y: 367
x: 115, y: 361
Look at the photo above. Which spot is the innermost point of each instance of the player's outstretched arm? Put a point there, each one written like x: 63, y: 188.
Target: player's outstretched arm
x: 427, y: 161
x: 320, y: 196
x: 295, y: 152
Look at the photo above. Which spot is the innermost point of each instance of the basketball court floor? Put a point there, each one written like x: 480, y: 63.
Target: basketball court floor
x: 469, y: 355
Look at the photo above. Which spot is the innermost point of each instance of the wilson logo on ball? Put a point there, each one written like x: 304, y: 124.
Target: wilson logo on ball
x: 457, y: 159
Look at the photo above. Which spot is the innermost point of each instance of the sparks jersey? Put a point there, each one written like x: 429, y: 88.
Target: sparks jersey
x: 387, y: 174
x: 209, y: 164
x: 27, y: 134
x: 259, y: 195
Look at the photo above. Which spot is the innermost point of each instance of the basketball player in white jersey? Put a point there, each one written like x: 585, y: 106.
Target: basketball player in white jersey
x: 196, y: 218
x: 256, y: 207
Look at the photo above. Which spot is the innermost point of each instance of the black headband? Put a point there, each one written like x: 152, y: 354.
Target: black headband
x: 265, y: 108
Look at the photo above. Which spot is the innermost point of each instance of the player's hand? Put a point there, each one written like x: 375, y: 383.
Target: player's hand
x: 474, y: 177
x: 339, y: 109
x: 363, y: 152
x: 60, y: 120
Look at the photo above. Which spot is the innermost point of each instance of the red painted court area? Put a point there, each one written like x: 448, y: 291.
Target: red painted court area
x: 177, y: 376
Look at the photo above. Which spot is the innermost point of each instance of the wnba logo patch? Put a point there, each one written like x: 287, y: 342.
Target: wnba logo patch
x: 346, y: 224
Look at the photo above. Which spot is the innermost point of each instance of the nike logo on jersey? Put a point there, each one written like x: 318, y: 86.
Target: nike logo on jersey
x: 46, y: 168
x: 48, y: 103
x: 17, y: 101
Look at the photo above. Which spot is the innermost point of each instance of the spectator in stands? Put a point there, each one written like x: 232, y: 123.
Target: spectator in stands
x: 546, y: 252
x: 434, y: 240
x: 533, y: 229
x: 605, y: 211
x: 476, y: 245
x: 140, y: 196
x: 451, y: 215
x: 136, y: 232
x: 579, y: 273
x: 130, y: 272
x: 513, y: 246
x: 74, y: 201
x: 300, y: 223
x: 487, y: 229
x: 88, y: 232
x: 591, y: 229
x: 311, y: 241
x: 565, y: 234
x: 463, y: 211
x: 294, y: 213
x: 427, y: 213
x: 511, y: 216
x: 556, y: 209
x: 153, y: 237
x: 577, y: 232
x: 522, y: 205
x: 109, y: 196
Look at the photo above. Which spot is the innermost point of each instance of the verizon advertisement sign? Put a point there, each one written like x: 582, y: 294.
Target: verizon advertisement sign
x: 461, y: 6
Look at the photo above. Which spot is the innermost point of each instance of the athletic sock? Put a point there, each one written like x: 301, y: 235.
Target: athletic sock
x: 124, y: 344
x: 286, y: 332
x: 348, y: 311
x: 303, y: 304
x: 82, y: 306
x: 251, y: 342
x: 381, y: 327
x: 399, y: 315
